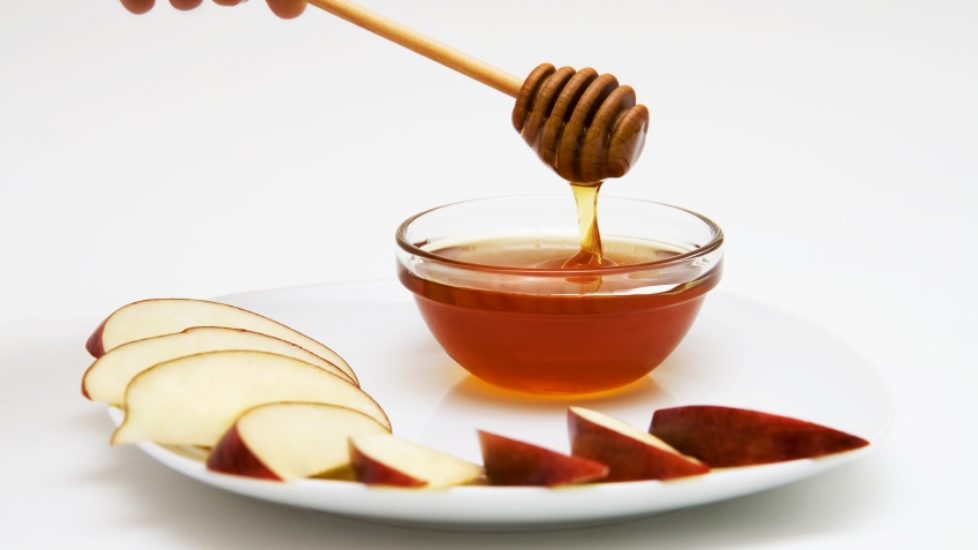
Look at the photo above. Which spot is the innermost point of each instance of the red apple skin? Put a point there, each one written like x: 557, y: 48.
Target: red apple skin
x: 726, y: 436
x: 372, y: 472
x: 627, y: 458
x: 94, y: 343
x: 231, y: 455
x: 512, y: 462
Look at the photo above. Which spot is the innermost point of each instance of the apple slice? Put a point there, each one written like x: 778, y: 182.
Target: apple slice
x: 106, y: 379
x: 389, y: 460
x: 512, y: 462
x: 149, y: 318
x: 727, y: 436
x: 193, y: 400
x: 283, y: 441
x: 630, y: 453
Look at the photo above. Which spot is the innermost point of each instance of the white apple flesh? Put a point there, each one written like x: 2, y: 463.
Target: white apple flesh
x: 193, y: 400
x: 389, y: 460
x: 285, y: 441
x: 630, y: 453
x: 157, y: 317
x: 106, y: 379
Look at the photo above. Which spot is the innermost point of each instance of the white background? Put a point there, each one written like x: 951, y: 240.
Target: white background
x: 203, y: 153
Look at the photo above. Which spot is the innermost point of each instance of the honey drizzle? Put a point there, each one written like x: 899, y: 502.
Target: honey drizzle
x: 591, y: 254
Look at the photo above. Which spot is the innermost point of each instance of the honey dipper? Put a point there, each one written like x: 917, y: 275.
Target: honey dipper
x: 585, y: 126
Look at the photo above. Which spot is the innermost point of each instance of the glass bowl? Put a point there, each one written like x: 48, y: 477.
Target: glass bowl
x: 486, y: 276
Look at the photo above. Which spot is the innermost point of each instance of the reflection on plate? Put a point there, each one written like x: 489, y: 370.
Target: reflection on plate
x: 739, y: 354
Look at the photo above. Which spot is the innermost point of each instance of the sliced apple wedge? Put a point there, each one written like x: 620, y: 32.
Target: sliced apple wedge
x: 389, y: 460
x: 283, y: 441
x: 727, y: 436
x: 630, y: 453
x: 106, y: 379
x: 149, y: 318
x: 193, y: 400
x: 513, y: 462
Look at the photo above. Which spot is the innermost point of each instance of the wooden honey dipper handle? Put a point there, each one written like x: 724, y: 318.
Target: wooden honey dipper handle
x: 417, y: 42
x: 583, y: 125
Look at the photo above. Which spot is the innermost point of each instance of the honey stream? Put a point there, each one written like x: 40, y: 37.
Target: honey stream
x: 591, y: 253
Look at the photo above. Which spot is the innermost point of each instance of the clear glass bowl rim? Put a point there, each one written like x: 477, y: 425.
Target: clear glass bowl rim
x: 714, y: 244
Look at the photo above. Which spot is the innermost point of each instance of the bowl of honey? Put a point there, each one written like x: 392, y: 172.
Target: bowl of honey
x: 524, y: 298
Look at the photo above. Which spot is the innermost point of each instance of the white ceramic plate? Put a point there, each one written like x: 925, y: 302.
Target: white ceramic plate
x: 739, y: 353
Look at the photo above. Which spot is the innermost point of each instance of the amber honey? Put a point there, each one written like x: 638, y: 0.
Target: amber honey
x: 529, y: 327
